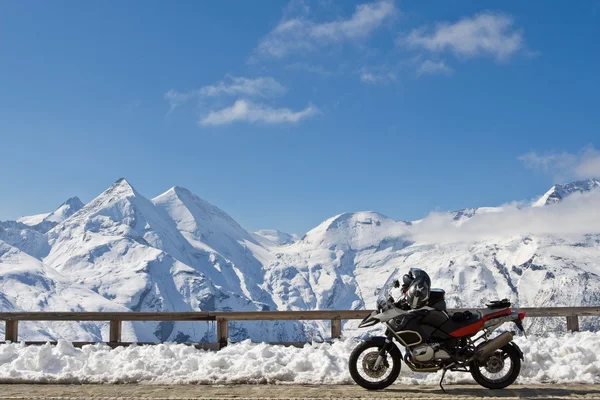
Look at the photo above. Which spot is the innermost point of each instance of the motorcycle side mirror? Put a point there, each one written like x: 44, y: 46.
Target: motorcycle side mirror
x: 396, y: 283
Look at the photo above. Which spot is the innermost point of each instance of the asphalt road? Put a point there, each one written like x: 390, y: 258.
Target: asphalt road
x: 149, y: 391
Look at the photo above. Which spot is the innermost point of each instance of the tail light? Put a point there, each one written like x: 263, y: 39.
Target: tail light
x: 521, y: 315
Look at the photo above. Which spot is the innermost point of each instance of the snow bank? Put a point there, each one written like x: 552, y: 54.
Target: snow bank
x: 570, y: 358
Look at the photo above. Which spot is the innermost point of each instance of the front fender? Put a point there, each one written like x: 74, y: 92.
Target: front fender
x: 518, y: 349
x: 380, y: 341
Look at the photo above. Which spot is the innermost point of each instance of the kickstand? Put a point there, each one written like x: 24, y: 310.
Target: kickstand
x: 441, y: 380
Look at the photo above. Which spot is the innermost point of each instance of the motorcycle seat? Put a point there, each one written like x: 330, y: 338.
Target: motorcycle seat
x: 459, y: 322
x: 463, y: 316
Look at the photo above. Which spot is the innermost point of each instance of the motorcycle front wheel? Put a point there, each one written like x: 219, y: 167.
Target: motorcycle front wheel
x: 362, y: 364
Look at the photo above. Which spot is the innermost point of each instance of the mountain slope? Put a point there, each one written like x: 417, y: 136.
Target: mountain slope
x: 24, y: 238
x: 319, y: 271
x: 228, y: 254
x: 26, y: 284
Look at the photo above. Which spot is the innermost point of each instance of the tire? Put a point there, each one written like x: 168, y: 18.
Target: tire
x: 515, y: 359
x: 354, y: 364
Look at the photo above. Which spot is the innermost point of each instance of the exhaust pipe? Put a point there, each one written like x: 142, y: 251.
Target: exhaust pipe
x: 488, y: 348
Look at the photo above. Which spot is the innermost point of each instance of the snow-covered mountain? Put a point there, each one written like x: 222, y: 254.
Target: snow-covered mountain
x: 44, y: 222
x: 65, y: 210
x: 156, y: 257
x: 461, y: 216
x: 26, y: 284
x: 559, y: 192
x: 275, y: 237
x: 178, y: 252
x: 25, y: 238
x: 32, y: 220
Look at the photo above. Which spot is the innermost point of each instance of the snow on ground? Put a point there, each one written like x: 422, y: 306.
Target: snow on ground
x: 569, y: 358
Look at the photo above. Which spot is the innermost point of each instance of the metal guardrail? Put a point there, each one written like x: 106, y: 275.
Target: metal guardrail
x: 222, y: 319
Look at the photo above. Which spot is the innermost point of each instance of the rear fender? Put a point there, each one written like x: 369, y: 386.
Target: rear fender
x: 518, y: 349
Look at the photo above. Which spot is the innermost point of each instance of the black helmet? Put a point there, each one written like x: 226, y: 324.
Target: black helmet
x: 419, y: 289
x: 406, y: 281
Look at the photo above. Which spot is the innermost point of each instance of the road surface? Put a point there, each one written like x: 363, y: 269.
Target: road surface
x: 173, y: 392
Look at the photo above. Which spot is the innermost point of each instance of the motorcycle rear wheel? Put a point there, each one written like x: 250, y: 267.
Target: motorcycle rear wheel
x: 370, y: 378
x: 500, y: 379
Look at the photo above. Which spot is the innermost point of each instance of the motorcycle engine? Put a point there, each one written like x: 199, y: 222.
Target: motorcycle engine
x: 429, y: 352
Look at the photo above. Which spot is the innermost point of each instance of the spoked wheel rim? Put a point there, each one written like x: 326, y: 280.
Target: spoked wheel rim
x: 497, y: 368
x: 366, y: 366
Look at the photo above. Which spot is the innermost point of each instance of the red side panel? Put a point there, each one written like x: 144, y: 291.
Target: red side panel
x: 468, y: 330
x: 476, y: 326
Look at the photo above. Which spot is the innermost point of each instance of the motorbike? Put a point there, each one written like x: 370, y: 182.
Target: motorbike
x: 435, y: 339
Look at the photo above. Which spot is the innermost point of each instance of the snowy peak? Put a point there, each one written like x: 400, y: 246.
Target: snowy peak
x: 209, y: 212
x: 65, y: 210
x: 119, y: 203
x: 356, y: 230
x: 558, y: 192
x: 44, y: 222
x: 121, y: 188
x: 197, y: 216
x: 357, y: 219
x: 121, y: 211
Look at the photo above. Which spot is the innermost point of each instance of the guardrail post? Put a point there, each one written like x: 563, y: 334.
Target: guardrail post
x: 11, y: 331
x: 336, y: 328
x: 222, y: 332
x: 573, y: 323
x: 115, y: 331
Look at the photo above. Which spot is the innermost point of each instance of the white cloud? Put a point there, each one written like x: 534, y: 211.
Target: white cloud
x: 433, y: 67
x: 378, y: 74
x: 264, y: 87
x: 485, y: 34
x: 243, y: 110
x: 299, y: 34
x: 177, y: 99
x: 313, y: 69
x: 583, y: 164
x: 377, y: 78
x: 578, y: 214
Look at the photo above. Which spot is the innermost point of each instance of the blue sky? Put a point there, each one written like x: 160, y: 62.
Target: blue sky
x: 284, y: 114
